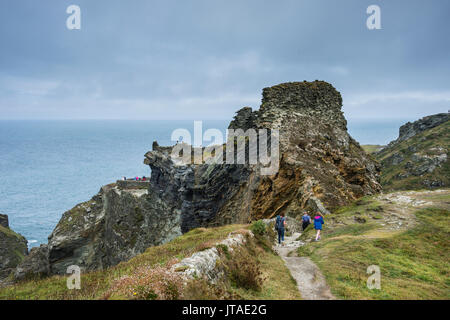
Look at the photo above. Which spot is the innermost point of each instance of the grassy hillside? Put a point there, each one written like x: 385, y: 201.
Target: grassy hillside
x: 254, y: 272
x: 409, y: 242
x: 371, y: 148
x: 422, y: 161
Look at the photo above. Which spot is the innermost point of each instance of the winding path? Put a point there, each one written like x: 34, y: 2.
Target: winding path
x: 310, y: 280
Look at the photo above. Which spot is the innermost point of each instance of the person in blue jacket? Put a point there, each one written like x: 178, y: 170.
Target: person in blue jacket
x: 281, y: 225
x: 318, y: 222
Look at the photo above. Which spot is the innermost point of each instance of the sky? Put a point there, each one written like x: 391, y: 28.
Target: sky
x: 205, y: 59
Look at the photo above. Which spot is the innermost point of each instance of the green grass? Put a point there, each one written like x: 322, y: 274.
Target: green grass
x: 10, y: 233
x: 94, y: 285
x: 422, y: 143
x: 342, y: 221
x: 414, y: 264
x: 372, y: 148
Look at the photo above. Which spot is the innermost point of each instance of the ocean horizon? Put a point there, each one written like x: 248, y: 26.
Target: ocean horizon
x: 49, y: 166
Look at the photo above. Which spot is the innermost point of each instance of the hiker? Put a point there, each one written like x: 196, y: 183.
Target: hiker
x: 124, y: 178
x: 281, y: 224
x: 144, y: 178
x: 318, y: 222
x: 306, y: 220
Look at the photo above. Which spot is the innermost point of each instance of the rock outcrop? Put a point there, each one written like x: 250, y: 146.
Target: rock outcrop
x: 35, y: 265
x: 4, y: 222
x: 409, y: 129
x: 13, y: 248
x: 203, y: 264
x: 244, y: 119
x: 319, y: 167
x: 419, y: 158
x: 115, y: 225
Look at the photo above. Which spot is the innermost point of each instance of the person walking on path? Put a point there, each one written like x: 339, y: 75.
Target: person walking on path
x: 306, y: 220
x: 281, y: 224
x: 318, y: 222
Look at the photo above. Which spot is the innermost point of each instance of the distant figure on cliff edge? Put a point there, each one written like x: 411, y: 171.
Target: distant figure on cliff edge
x: 124, y: 178
x: 306, y: 220
x: 280, y: 224
x: 318, y: 222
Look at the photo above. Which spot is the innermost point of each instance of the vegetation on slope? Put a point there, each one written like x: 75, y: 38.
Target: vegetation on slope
x: 253, y: 272
x: 414, y: 261
x: 421, y: 161
x: 372, y: 148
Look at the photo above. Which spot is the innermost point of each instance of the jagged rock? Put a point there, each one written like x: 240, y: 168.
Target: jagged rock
x: 34, y: 265
x: 4, y: 220
x: 409, y: 129
x: 245, y: 119
x: 319, y: 161
x: 113, y: 226
x: 13, y: 248
x: 317, y: 205
x: 320, y: 167
x: 204, y: 263
x: 419, y: 157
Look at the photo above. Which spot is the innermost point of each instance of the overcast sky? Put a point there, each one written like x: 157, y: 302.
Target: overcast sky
x: 206, y: 59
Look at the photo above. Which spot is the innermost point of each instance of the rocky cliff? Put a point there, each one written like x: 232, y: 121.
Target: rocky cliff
x: 419, y: 158
x: 115, y: 225
x: 13, y: 248
x: 319, y: 167
x: 411, y: 129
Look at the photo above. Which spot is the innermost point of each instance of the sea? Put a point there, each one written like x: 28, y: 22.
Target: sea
x: 47, y: 167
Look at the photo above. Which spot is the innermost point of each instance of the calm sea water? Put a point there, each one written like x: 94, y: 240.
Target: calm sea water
x: 47, y: 167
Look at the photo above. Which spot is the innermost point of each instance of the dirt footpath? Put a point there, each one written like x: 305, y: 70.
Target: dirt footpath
x: 310, y: 281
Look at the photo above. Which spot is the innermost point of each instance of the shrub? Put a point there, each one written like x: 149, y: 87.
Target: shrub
x: 258, y: 228
x: 201, y: 289
x: 149, y: 283
x: 243, y: 270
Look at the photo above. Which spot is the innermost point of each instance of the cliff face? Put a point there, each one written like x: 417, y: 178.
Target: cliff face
x: 13, y: 248
x: 409, y: 129
x: 320, y: 167
x: 419, y: 158
x: 114, y: 226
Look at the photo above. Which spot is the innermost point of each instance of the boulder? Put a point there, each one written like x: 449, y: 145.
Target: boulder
x: 35, y: 265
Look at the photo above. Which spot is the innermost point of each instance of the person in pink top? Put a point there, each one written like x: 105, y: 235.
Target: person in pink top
x: 318, y: 222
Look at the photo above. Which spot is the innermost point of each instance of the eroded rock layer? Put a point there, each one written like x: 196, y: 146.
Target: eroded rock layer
x: 320, y: 167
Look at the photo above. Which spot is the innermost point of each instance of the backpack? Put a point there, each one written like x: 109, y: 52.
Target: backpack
x: 280, y: 223
x: 277, y: 221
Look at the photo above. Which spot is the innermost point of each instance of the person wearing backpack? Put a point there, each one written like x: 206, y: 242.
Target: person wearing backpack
x: 306, y: 220
x: 280, y: 228
x: 318, y: 222
x: 277, y: 220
